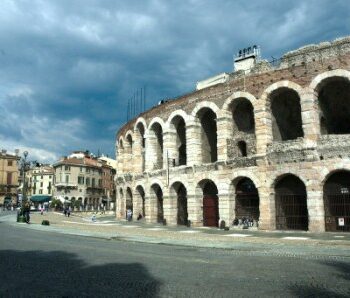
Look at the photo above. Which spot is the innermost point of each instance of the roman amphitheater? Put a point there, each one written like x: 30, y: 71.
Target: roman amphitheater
x: 268, y: 143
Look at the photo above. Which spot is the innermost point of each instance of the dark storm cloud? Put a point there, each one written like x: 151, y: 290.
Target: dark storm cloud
x: 67, y: 68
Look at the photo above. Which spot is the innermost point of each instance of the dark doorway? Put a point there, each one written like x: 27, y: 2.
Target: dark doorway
x: 243, y: 116
x: 291, y: 204
x: 180, y: 127
x: 334, y: 100
x: 210, y: 205
x: 129, y: 199
x: 182, y: 214
x: 242, y: 147
x: 159, y: 197
x: 208, y: 135
x: 286, y: 115
x: 247, y: 200
x: 142, y: 197
x: 336, y: 193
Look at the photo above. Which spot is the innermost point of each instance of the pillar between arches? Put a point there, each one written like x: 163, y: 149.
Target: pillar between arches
x: 310, y: 116
x: 170, y: 210
x: 150, y: 152
x: 195, y: 210
x: 267, y: 219
x: 315, y: 207
x: 169, y: 146
x: 193, y: 143
x: 225, y: 208
x: 224, y: 126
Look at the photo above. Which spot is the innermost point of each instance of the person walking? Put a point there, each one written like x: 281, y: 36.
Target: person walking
x: 129, y: 214
x: 69, y: 211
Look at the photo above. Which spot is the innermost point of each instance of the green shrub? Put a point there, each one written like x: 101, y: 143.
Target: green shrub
x: 45, y: 222
x: 56, y: 204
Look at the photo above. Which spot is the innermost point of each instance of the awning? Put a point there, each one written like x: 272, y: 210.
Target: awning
x: 41, y: 198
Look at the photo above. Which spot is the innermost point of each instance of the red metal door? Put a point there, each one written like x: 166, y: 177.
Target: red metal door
x: 210, y: 211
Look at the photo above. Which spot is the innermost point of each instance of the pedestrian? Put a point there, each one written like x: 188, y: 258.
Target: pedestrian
x: 139, y: 216
x: 69, y: 211
x: 65, y: 211
x: 129, y: 214
x: 42, y: 210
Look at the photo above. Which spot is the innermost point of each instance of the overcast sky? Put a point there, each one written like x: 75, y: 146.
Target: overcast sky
x: 68, y: 67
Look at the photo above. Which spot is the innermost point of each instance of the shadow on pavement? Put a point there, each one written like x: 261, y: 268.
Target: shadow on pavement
x: 342, y: 272
x: 59, y: 274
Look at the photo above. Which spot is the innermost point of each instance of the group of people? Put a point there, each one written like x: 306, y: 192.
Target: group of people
x: 129, y: 215
x: 245, y: 222
x: 67, y: 210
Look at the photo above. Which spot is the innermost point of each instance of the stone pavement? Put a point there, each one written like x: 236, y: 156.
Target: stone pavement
x: 107, y: 227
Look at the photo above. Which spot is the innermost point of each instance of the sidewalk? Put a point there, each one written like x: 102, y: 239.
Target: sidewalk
x: 107, y: 227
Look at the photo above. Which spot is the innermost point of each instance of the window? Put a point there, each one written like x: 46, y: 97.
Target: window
x: 67, y: 168
x: 9, y: 163
x: 67, y: 178
x: 50, y: 177
x: 80, y: 180
x: 93, y: 182
x: 41, y: 184
x: 42, y: 177
x: 9, y: 178
x: 87, y: 170
x: 87, y: 180
x: 81, y: 169
x: 40, y: 191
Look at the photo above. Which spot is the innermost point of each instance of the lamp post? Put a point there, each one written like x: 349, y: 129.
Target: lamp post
x: 24, y: 167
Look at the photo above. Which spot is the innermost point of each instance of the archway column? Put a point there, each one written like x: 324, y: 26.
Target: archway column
x: 137, y: 155
x: 224, y: 128
x: 267, y: 219
x: 137, y: 204
x: 195, y: 209
x: 263, y: 128
x: 315, y: 206
x: 193, y: 143
x: 169, y: 147
x: 170, y: 210
x: 151, y: 153
x: 151, y: 208
x: 310, y: 116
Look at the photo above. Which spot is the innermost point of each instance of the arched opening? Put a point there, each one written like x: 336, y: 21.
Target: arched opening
x: 156, y: 145
x: 208, y: 135
x: 210, y: 204
x: 291, y: 204
x: 286, y: 115
x: 334, y: 101
x: 242, y: 148
x: 159, y: 198
x: 243, y: 116
x: 247, y: 200
x: 141, y: 193
x: 129, y: 141
x: 336, y: 195
x: 129, y: 199
x: 181, y: 153
x: 141, y: 135
x: 181, y: 193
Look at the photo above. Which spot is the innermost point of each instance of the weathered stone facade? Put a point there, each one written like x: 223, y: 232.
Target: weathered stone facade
x: 271, y: 142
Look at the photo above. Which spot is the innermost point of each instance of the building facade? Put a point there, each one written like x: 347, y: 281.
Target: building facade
x: 40, y: 180
x: 83, y: 177
x: 9, y: 173
x: 269, y: 142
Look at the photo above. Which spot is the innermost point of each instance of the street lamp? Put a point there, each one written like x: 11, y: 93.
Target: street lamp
x: 24, y: 167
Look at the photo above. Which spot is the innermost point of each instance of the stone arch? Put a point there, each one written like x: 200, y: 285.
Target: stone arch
x: 177, y: 144
x: 129, y: 142
x: 236, y: 95
x: 332, y: 90
x: 283, y: 103
x: 156, y: 120
x: 179, y: 191
x: 139, y: 191
x: 290, y: 203
x: 156, y: 143
x: 121, y: 143
x: 180, y: 113
x: 139, y: 121
x: 208, y: 134
x: 156, y: 192
x: 205, y: 104
x: 336, y: 197
x: 210, y: 202
x: 247, y: 201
